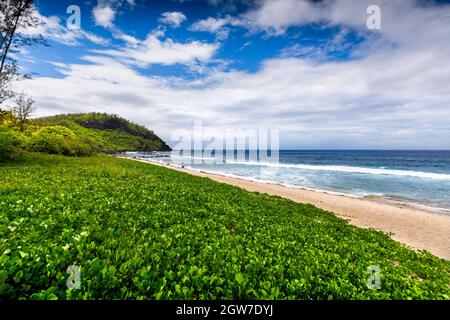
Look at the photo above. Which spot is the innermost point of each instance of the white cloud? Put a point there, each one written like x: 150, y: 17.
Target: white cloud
x: 338, y: 44
x: 401, y: 19
x: 218, y: 26
x: 376, y: 102
x: 275, y: 16
x: 393, y: 97
x: 166, y: 52
x: 174, y: 19
x: 104, y: 15
x: 95, y: 38
x: 125, y: 37
x: 105, y: 12
x: 54, y: 29
x: 210, y: 24
x: 271, y: 16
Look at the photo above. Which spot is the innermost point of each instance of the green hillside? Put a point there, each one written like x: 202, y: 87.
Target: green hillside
x: 107, y: 132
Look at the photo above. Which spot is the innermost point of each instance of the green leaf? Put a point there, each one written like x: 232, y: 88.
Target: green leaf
x: 3, y: 276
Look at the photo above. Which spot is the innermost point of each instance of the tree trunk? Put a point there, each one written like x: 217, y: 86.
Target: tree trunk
x: 11, y: 37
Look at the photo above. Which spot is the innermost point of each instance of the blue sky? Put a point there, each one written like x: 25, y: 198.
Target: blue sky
x: 311, y: 69
x: 241, y: 50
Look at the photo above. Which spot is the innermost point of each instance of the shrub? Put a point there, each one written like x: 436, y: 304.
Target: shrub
x: 49, y: 143
x: 84, y: 149
x: 7, y: 119
x: 9, y: 143
x: 60, y: 140
x: 56, y: 140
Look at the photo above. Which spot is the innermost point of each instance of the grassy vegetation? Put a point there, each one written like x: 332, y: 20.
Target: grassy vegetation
x: 140, y: 231
x: 107, y: 132
x: 74, y: 135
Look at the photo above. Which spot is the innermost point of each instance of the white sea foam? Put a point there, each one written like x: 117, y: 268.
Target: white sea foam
x: 383, y: 197
x: 351, y: 169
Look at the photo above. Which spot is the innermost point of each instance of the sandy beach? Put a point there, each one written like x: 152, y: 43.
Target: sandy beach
x: 416, y: 228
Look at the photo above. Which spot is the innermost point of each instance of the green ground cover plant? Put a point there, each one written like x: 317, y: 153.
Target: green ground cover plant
x: 140, y: 231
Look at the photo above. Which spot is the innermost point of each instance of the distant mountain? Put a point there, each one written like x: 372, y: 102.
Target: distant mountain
x: 108, y: 132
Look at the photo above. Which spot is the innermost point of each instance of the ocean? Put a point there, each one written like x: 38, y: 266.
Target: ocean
x: 417, y: 178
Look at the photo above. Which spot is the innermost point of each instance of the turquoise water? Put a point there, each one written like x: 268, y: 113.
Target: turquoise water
x: 420, y: 178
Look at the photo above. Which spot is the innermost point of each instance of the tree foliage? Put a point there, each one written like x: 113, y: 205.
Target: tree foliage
x: 23, y: 109
x: 10, y: 143
x: 109, y: 132
x: 16, y: 18
x: 65, y: 135
x: 59, y: 140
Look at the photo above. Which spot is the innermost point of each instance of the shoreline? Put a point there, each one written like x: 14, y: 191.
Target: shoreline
x: 415, y: 227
